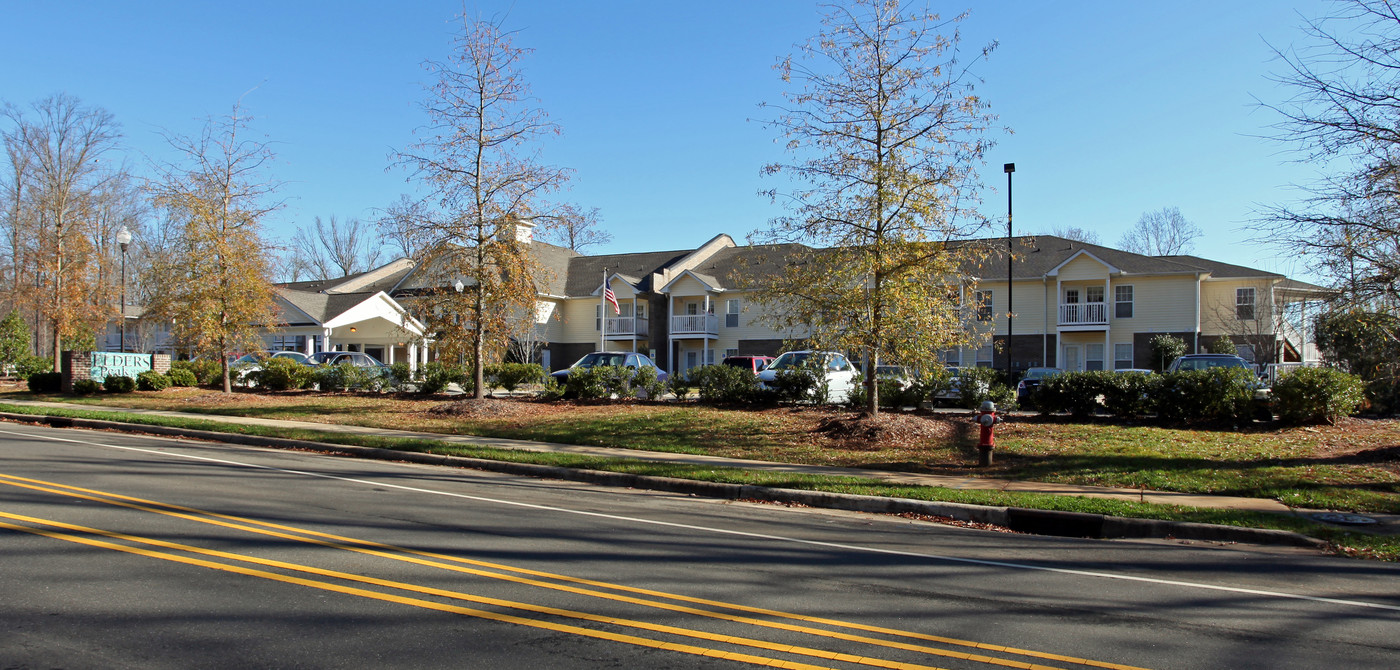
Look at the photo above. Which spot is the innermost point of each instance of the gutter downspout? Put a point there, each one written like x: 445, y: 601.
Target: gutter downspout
x: 1196, y: 336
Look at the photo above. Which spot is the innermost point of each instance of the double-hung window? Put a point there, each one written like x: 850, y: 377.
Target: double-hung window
x: 1123, y: 302
x: 984, y: 356
x: 1122, y: 356
x: 983, y: 300
x: 731, y: 313
x: 1093, y: 357
x: 1244, y: 304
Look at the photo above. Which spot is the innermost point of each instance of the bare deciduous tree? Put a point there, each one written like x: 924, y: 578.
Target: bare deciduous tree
x: 1077, y: 234
x: 402, y: 225
x: 886, y: 133
x: 1345, y: 114
x: 213, y: 281
x: 478, y: 160
x: 1164, y: 232
x: 330, y: 249
x: 574, y: 227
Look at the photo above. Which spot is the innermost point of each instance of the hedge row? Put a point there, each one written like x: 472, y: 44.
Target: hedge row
x: 1217, y: 395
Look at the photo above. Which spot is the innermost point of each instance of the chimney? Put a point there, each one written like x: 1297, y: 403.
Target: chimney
x: 524, y: 231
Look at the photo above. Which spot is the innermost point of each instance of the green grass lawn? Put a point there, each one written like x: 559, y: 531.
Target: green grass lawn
x: 1351, y: 467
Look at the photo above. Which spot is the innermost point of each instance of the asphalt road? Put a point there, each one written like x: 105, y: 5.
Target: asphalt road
x: 118, y: 551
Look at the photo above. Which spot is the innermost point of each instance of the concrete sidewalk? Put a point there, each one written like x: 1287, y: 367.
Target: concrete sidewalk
x: 1385, y: 524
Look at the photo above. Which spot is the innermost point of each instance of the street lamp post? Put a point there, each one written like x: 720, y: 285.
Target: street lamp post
x: 1008, y: 168
x: 123, y: 239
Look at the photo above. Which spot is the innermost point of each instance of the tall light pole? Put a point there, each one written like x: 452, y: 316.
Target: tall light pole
x: 1008, y: 168
x: 123, y: 239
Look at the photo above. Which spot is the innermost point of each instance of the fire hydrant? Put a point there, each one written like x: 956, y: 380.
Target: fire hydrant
x: 986, y: 419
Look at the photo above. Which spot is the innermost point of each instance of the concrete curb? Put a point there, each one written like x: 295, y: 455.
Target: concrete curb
x: 1032, y: 521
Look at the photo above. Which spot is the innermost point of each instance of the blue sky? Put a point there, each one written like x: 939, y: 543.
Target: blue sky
x: 1117, y: 108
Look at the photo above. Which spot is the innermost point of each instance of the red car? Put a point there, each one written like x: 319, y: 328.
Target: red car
x: 754, y: 364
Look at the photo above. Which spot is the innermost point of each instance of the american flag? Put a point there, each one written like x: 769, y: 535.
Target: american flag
x: 611, y: 297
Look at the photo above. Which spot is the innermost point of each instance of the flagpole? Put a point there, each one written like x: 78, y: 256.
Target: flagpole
x: 603, y: 314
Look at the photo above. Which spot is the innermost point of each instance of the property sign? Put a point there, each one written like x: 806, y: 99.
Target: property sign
x: 108, y: 364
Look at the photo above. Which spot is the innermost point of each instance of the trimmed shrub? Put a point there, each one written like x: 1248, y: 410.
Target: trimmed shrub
x: 799, y: 385
x: 85, y: 387
x: 1315, y: 395
x: 725, y: 384
x: 1165, y: 349
x: 1074, y: 392
x: 347, y: 377
x: 511, y: 376
x: 1126, y: 395
x: 280, y: 374
x: 400, y: 373
x: 587, y: 383
x: 1222, y: 345
x: 181, y: 377
x: 647, y: 384
x: 891, y: 394
x: 977, y: 385
x: 436, y: 376
x: 45, y: 382
x: 29, y: 365
x: 553, y: 390
x: 151, y: 380
x: 680, y: 386
x: 1216, y: 395
x: 206, y: 371
x: 119, y: 384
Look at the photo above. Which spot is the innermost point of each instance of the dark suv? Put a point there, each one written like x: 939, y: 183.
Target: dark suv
x: 1262, y: 393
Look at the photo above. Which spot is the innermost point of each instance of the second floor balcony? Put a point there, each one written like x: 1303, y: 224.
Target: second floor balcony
x: 695, y: 324
x: 626, y: 326
x: 1083, y: 314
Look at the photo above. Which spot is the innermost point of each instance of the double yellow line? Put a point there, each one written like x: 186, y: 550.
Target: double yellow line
x: 616, y: 592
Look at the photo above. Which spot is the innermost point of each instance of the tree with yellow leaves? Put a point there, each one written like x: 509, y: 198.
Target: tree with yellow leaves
x: 213, y: 279
x: 885, y: 133
x: 478, y: 159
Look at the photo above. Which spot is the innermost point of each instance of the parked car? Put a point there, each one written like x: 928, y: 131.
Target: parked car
x: 630, y: 360
x: 355, y: 358
x: 1207, y: 361
x: 898, y: 374
x: 240, y: 368
x: 1025, y: 389
x: 257, y: 357
x: 952, y: 392
x: 839, y: 374
x: 754, y: 364
x: 1262, y: 393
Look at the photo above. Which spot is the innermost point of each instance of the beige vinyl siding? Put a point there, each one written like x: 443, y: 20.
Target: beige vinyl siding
x: 1160, y: 304
x: 1083, y: 268
x: 577, y: 317
x: 1218, y: 306
x: 751, y: 325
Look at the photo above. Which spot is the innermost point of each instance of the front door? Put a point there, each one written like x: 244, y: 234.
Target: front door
x: 1072, y: 362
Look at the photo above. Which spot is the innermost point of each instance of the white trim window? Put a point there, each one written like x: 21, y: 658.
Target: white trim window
x: 731, y: 352
x: 597, y: 317
x: 1123, y: 302
x: 1244, y: 304
x: 731, y: 313
x: 983, y: 301
x: 1123, y: 356
x: 1093, y: 294
x: 984, y: 356
x: 1093, y: 357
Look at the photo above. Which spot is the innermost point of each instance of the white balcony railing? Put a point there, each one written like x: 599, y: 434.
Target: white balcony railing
x: 626, y: 326
x: 695, y: 324
x: 1083, y: 313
